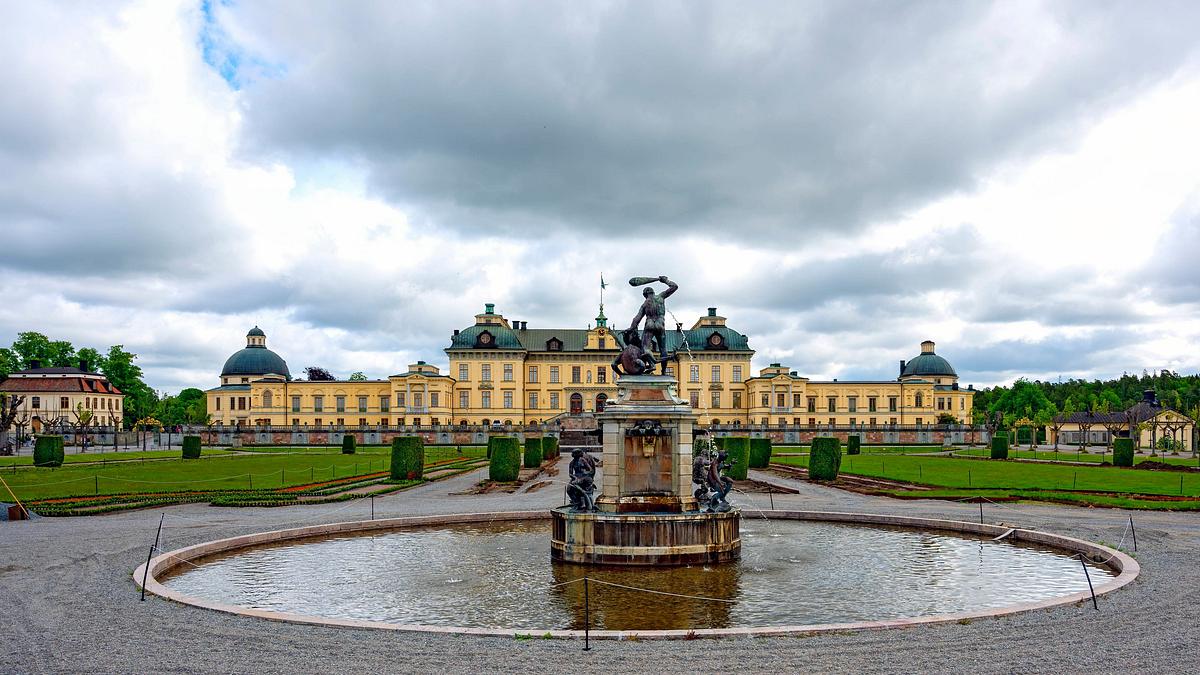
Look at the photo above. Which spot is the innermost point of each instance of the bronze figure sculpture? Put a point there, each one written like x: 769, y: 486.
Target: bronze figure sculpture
x: 583, y: 481
x: 654, y: 311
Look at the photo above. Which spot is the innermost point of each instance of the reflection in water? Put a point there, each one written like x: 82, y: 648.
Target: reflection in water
x: 500, y: 576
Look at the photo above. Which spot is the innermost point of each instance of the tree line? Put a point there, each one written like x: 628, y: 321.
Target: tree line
x: 1040, y: 401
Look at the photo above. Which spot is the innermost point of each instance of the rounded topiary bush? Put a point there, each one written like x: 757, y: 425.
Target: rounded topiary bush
x: 737, y: 448
x: 408, y: 458
x: 1122, y: 452
x: 191, y: 447
x: 1000, y: 446
x: 48, y: 451
x: 760, y: 453
x: 349, y: 444
x: 853, y: 445
x: 825, y: 459
x: 533, y: 452
x: 550, y: 447
x: 505, y: 464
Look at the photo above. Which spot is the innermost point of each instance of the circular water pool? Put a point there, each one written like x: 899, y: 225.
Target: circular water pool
x: 499, y: 575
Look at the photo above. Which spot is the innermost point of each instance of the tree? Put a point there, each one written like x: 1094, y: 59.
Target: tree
x: 358, y: 377
x: 93, y: 359
x: 10, y: 362
x: 947, y: 418
x: 1041, y: 420
x: 9, y: 404
x: 83, y: 419
x: 319, y: 374
x: 120, y: 369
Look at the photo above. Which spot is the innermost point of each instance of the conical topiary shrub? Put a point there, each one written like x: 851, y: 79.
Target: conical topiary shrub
x: 760, y: 453
x: 533, y: 453
x: 191, y: 447
x: 505, y: 463
x: 1000, y: 446
x: 737, y: 450
x: 825, y: 459
x: 408, y: 458
x: 48, y: 451
x: 1123, y: 452
x: 550, y: 447
x: 348, y: 444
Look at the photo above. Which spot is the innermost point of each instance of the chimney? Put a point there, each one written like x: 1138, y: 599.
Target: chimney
x: 902, y: 362
x: 489, y: 308
x: 712, y: 311
x: 1148, y: 396
x: 34, y: 364
x: 83, y: 365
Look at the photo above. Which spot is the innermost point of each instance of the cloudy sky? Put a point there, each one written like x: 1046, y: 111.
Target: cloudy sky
x: 1018, y: 181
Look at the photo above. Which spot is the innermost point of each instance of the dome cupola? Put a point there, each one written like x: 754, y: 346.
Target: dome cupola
x: 927, y: 364
x: 255, y: 359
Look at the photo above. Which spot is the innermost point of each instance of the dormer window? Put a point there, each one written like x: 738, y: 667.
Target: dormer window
x: 485, y: 340
x: 715, y: 341
x: 554, y: 345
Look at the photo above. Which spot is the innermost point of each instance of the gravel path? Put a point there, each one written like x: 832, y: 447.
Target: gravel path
x: 67, y: 604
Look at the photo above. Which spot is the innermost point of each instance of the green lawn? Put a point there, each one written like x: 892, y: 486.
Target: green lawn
x: 231, y: 472
x: 975, y: 474
x: 1075, y: 456
x: 869, y: 449
x: 106, y: 457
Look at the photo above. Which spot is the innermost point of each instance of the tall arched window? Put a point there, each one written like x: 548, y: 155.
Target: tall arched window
x: 576, y: 403
x: 601, y: 400
x: 920, y: 400
x: 267, y: 398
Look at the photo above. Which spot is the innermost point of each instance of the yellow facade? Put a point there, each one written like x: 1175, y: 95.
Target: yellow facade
x: 503, y: 372
x: 64, y: 396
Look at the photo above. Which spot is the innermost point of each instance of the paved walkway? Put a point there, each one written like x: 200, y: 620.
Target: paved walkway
x: 67, y: 603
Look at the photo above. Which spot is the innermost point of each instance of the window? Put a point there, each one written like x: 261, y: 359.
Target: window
x: 317, y: 422
x: 418, y: 399
x: 554, y: 400
x: 533, y: 400
x: 267, y: 399
x: 464, y: 372
x: 871, y: 406
x: 508, y: 399
x: 796, y: 400
x: 962, y: 403
x: 341, y: 421
x: 554, y: 374
x: 385, y: 403
x: 671, y: 371
x: 464, y: 399
x: 295, y: 404
x: 892, y: 404
x: 852, y: 403
x: 362, y: 404
x: 694, y: 396
x: 433, y: 399
x: 485, y: 399
x: 362, y: 421
x: 737, y: 399
x: 892, y: 421
x: 295, y: 421
x: 832, y: 401
x: 918, y: 421
x: 241, y: 403
x: 920, y: 400
x: 716, y: 374
x: 576, y: 373
x: 217, y: 399
x: 812, y: 421
x: 603, y: 343
x: 694, y: 373
x: 233, y: 403
x: 602, y: 374
x: 485, y: 372
x: 318, y: 404
x: 508, y: 372
x: 716, y: 399
x: 812, y: 404
x: 533, y: 374
x: 780, y: 400
x: 64, y: 402
x: 832, y: 422
x: 872, y: 421
x: 737, y: 373
x: 36, y: 403
x: 340, y: 402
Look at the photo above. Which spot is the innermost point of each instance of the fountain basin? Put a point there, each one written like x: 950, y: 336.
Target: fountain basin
x: 644, y: 538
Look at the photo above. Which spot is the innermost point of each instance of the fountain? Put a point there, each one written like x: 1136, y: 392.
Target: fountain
x: 647, y: 513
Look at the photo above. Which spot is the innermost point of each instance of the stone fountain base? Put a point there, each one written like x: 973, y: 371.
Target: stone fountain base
x: 644, y: 538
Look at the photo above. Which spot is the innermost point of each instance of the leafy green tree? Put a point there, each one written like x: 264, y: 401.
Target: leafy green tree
x: 120, y: 369
x: 10, y: 362
x: 358, y: 377
x: 93, y: 359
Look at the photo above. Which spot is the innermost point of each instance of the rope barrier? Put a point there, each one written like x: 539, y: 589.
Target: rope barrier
x: 677, y: 595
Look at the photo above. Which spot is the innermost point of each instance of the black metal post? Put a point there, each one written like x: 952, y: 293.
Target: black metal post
x: 772, y: 496
x: 587, y: 617
x: 1089, y: 580
x: 1131, y: 529
x: 980, y: 510
x: 372, y: 507
x: 146, y: 571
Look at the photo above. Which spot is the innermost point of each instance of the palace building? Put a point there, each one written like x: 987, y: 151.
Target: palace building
x: 61, y: 396
x: 501, y: 371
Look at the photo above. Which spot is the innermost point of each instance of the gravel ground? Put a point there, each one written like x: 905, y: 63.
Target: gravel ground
x: 67, y: 604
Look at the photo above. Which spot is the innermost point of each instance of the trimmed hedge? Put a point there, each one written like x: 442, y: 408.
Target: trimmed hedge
x: 505, y: 455
x: 760, y: 453
x: 1122, y: 452
x: 825, y: 458
x: 408, y: 458
x: 349, y: 444
x: 48, y: 451
x: 737, y: 448
x: 191, y: 447
x: 533, y: 453
x: 550, y: 447
x: 1000, y: 446
x: 853, y: 445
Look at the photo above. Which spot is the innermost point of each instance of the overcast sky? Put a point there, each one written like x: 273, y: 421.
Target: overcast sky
x: 1018, y: 181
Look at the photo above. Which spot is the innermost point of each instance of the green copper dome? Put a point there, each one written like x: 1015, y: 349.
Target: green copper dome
x: 928, y: 363
x: 255, y: 361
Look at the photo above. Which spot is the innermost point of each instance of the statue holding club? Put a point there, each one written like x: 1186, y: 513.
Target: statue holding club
x: 654, y: 311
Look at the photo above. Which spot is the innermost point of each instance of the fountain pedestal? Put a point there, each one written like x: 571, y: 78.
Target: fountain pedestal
x: 646, y: 512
